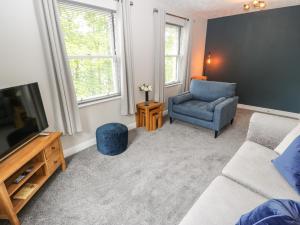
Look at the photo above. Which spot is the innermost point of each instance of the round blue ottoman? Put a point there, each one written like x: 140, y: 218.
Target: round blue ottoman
x: 112, y: 138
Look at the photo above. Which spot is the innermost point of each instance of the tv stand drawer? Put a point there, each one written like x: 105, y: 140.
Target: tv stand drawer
x: 53, y: 161
x: 53, y: 148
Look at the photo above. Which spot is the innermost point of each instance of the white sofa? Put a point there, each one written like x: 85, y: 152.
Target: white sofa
x: 249, y: 179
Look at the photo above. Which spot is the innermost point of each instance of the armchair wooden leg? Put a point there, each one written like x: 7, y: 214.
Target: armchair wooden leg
x: 171, y: 120
x: 216, y: 133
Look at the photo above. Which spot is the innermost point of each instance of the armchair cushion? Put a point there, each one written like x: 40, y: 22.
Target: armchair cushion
x: 182, y: 98
x: 194, y: 108
x: 211, y: 106
x: 210, y: 90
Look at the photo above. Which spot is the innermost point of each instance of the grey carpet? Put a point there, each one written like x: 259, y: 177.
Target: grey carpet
x: 155, y: 182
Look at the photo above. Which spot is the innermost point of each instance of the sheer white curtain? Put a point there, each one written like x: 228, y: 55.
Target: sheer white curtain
x: 125, y: 57
x: 63, y: 93
x: 159, y: 54
x: 186, y: 48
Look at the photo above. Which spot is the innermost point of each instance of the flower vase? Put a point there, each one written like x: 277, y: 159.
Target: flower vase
x: 146, y: 98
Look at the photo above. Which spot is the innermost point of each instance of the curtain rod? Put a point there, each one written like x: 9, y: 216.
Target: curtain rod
x: 170, y: 14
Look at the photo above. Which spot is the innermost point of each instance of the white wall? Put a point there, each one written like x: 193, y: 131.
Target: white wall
x: 199, y: 39
x: 22, y: 60
x: 21, y: 55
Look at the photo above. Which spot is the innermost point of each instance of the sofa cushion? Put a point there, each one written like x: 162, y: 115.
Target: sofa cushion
x: 269, y: 130
x: 252, y: 167
x: 288, y: 164
x: 219, y: 205
x: 211, y: 90
x: 194, y: 108
x: 275, y: 212
x: 182, y: 98
x: 211, y: 106
x: 288, y: 140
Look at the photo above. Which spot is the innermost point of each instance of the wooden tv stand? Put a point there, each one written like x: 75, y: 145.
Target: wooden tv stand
x: 43, y: 155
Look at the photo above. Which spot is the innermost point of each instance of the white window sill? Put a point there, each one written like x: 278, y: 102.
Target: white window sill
x: 173, y: 84
x: 83, y: 105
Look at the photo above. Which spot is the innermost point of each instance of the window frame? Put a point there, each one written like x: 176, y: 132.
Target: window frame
x: 113, y: 56
x: 178, y: 56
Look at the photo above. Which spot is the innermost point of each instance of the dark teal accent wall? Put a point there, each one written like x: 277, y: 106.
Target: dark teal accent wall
x: 259, y: 51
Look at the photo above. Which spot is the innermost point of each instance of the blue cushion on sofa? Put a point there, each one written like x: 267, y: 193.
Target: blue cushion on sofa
x: 273, y: 212
x: 182, y: 98
x: 288, y: 164
x: 194, y: 108
x: 210, y: 90
x: 211, y: 106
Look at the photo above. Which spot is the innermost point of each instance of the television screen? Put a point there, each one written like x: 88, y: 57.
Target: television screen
x: 22, y: 117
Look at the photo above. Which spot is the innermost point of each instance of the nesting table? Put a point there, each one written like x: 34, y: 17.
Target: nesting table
x: 149, y: 116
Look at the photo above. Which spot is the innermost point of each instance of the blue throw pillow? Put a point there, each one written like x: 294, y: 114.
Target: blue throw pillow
x: 211, y: 106
x: 182, y: 98
x: 288, y: 164
x: 273, y: 212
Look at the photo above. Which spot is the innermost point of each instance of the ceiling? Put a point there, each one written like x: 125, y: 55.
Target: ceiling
x: 220, y: 8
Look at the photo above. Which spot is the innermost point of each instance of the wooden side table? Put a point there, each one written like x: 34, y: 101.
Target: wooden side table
x: 146, y: 115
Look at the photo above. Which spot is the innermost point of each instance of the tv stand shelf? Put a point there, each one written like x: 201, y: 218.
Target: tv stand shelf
x: 12, y: 187
x: 43, y: 156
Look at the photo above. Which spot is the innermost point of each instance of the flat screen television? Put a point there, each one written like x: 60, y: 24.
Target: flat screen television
x: 22, y: 117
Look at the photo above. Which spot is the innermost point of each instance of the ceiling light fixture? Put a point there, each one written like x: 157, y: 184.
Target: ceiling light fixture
x: 256, y: 4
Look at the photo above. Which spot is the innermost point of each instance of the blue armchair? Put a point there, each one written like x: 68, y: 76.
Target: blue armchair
x: 208, y: 104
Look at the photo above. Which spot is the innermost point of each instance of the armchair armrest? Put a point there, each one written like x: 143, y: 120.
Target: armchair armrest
x: 182, y: 98
x: 178, y: 97
x: 269, y: 130
x: 225, y: 112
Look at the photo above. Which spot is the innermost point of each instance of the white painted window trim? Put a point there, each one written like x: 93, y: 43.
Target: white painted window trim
x: 91, y: 57
x: 99, y: 3
x: 177, y: 56
x: 175, y: 20
x: 99, y: 101
x: 111, y: 96
x: 173, y: 84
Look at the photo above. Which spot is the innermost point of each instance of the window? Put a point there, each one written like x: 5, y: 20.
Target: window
x: 90, y: 43
x: 172, y: 52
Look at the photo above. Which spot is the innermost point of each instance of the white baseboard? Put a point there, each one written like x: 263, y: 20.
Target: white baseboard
x: 78, y: 148
x: 270, y: 111
x: 131, y: 126
x: 165, y: 113
x: 89, y: 143
x: 263, y: 110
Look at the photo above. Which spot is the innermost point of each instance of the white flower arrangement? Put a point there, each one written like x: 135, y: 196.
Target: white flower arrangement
x: 145, y: 87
